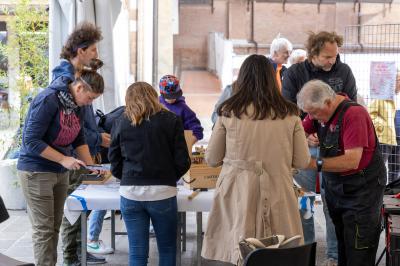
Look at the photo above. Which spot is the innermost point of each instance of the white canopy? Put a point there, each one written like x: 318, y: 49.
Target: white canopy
x: 112, y: 17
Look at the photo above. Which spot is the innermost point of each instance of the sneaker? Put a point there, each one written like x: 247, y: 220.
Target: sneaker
x: 72, y: 264
x: 330, y: 262
x: 98, y: 247
x: 91, y: 259
x: 107, y: 216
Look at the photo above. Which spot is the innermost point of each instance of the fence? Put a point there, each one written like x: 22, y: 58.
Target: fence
x: 373, y: 53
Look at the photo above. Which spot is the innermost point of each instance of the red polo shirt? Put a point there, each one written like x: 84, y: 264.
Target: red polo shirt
x: 356, y: 131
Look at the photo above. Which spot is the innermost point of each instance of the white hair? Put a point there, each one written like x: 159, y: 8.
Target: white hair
x: 314, y: 94
x: 297, y: 55
x: 278, y: 44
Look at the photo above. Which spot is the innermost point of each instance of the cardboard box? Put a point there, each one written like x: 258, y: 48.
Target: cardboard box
x: 201, y: 176
x: 96, y: 180
x: 188, y: 136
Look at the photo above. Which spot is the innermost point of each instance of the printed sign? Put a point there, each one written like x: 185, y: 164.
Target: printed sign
x: 382, y: 80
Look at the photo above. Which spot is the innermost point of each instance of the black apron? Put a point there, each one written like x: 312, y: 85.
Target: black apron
x: 354, y: 201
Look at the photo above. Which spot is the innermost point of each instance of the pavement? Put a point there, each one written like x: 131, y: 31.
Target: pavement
x: 15, y: 241
x: 201, y: 90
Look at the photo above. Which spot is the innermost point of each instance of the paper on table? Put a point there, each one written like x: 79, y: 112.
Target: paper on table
x: 99, y: 167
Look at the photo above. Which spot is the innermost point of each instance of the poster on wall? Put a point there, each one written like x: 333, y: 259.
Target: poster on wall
x: 382, y: 80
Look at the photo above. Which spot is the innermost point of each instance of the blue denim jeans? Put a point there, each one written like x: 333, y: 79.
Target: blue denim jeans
x: 164, y: 217
x: 96, y: 224
x: 307, y: 180
x: 331, y: 241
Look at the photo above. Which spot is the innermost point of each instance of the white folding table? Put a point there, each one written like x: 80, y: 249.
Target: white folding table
x: 106, y: 197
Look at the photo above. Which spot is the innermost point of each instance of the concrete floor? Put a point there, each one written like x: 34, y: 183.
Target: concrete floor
x: 15, y: 241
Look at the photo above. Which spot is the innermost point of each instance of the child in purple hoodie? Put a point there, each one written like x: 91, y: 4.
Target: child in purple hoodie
x: 171, y: 97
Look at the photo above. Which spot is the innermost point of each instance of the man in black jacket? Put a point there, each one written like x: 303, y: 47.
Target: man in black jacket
x: 323, y: 63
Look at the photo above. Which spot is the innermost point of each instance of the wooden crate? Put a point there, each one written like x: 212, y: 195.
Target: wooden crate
x: 97, y: 181
x: 201, y: 176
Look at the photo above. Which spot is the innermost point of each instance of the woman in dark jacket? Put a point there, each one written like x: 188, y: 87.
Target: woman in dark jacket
x: 148, y: 153
x: 53, y: 129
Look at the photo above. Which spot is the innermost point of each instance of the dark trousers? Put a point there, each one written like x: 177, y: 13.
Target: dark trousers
x: 71, y: 233
x: 356, y: 214
x: 357, y: 236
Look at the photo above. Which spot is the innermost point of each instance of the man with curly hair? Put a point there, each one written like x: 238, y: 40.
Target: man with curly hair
x: 322, y: 63
x: 79, y: 52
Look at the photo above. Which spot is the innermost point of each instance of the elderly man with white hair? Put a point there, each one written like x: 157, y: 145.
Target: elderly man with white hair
x: 323, y: 63
x: 352, y: 166
x: 279, y: 54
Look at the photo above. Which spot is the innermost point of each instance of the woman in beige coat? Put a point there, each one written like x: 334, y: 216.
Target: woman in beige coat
x: 259, y: 139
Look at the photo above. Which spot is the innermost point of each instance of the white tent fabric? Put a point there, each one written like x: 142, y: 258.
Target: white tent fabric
x: 112, y: 17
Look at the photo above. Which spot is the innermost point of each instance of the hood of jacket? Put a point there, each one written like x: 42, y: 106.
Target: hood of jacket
x: 63, y: 75
x: 180, y: 99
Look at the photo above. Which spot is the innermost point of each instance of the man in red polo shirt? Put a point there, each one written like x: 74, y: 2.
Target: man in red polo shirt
x: 353, y: 169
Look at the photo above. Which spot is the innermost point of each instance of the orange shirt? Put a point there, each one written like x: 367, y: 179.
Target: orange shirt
x: 278, y: 76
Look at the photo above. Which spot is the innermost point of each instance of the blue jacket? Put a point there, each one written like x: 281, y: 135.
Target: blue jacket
x: 66, y: 72
x: 188, y: 117
x: 45, y: 125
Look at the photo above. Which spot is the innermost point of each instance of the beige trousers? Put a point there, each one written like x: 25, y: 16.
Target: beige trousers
x: 45, y: 195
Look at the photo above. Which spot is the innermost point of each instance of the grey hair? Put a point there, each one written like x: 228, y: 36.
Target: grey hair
x: 296, y: 55
x: 278, y: 44
x: 314, y: 94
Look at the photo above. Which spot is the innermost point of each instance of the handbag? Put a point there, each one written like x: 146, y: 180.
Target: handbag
x: 246, y: 246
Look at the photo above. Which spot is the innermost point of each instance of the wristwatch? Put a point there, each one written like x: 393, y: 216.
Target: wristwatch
x: 319, y: 162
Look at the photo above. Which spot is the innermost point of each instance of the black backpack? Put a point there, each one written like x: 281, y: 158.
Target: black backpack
x: 106, y: 122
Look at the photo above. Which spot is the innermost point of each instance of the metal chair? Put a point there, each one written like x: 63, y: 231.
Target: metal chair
x: 296, y: 256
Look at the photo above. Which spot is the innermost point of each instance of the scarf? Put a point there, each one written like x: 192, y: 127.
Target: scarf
x: 67, y: 102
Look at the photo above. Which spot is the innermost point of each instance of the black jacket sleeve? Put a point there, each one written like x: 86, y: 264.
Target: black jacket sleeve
x: 349, y: 86
x: 181, y: 155
x: 114, y: 152
x: 289, y: 87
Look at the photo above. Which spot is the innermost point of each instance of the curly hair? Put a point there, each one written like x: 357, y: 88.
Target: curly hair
x: 84, y: 35
x: 316, y: 41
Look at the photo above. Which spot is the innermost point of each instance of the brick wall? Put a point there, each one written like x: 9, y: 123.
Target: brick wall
x: 233, y: 18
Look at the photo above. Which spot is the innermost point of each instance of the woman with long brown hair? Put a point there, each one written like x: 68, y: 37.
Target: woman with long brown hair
x: 148, y: 153
x: 258, y: 138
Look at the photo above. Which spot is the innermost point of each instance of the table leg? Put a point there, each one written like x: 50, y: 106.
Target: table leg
x: 183, y: 231
x: 83, y: 237
x: 387, y: 237
x: 199, y: 220
x: 178, y: 240
x: 113, y: 229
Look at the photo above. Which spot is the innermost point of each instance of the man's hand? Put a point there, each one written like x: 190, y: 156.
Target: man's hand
x: 312, y: 140
x: 71, y: 163
x: 105, y: 140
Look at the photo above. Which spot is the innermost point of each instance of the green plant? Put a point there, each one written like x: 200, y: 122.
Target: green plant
x: 26, y: 52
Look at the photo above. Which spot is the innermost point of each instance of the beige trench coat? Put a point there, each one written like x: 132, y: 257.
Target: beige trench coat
x: 254, y: 194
